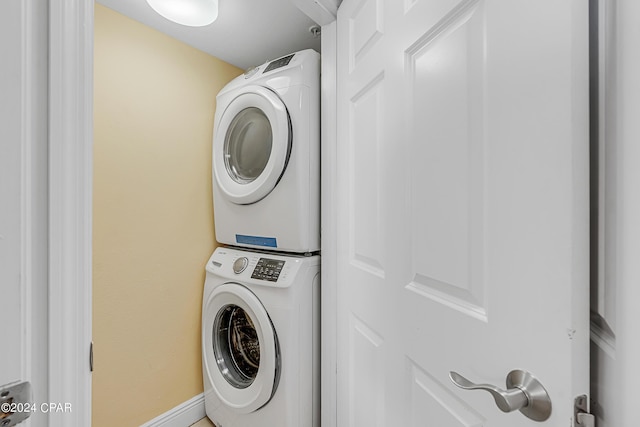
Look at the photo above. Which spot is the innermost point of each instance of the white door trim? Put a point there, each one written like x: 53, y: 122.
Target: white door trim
x: 323, y: 12
x: 70, y: 206
x: 627, y: 213
x: 329, y: 153
x: 34, y: 201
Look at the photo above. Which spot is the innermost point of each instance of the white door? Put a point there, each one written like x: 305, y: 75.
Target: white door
x: 462, y: 226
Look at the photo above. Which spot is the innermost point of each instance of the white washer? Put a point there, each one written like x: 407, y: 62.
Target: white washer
x: 266, y: 156
x: 260, y: 339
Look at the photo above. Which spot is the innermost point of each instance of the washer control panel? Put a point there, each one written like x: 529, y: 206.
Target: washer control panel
x: 268, y: 269
x: 257, y: 268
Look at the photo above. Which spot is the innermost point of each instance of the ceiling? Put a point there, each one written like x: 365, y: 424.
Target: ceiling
x: 246, y: 33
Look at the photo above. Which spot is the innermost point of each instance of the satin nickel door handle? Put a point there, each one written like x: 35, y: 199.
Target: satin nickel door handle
x: 524, y: 393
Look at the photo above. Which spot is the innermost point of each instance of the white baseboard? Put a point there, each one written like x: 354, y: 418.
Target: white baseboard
x: 183, y: 415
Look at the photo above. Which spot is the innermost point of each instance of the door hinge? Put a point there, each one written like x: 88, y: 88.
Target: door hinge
x: 91, y: 357
x: 581, y: 415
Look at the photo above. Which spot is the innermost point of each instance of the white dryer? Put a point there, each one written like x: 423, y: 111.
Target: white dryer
x: 266, y: 156
x: 260, y: 339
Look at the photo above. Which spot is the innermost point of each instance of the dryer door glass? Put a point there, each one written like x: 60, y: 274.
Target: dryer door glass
x: 251, y: 145
x: 236, y: 346
x: 247, y: 145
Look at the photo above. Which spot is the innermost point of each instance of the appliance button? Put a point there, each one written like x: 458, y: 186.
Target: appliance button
x: 240, y: 264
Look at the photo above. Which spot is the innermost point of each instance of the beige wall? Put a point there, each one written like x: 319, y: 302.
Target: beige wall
x: 153, y: 217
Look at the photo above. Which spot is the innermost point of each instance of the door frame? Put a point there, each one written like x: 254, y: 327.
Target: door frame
x: 70, y: 177
x: 329, y: 245
x: 616, y: 107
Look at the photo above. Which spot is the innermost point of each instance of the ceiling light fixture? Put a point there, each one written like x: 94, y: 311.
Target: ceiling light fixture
x: 193, y: 13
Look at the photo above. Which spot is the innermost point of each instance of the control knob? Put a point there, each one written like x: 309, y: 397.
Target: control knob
x: 240, y: 265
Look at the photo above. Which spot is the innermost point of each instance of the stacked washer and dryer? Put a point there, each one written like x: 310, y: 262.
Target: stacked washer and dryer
x: 261, y: 304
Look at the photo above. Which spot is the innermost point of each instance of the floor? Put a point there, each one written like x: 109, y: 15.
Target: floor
x: 203, y: 423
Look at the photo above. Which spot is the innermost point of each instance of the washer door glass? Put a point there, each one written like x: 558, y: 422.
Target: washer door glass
x: 251, y: 145
x: 241, y: 354
x: 236, y: 346
x: 247, y: 146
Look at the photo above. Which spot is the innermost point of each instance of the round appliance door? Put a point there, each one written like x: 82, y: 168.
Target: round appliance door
x: 241, y: 352
x: 252, y: 145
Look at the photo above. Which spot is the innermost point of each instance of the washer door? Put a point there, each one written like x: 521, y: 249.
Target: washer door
x: 241, y: 352
x: 252, y: 145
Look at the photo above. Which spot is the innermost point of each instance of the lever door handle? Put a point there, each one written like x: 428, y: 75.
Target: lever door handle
x: 507, y: 400
x: 524, y: 393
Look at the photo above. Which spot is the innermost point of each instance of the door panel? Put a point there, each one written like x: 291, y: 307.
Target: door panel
x: 366, y: 367
x: 366, y: 116
x: 433, y: 404
x: 462, y: 207
x: 447, y: 145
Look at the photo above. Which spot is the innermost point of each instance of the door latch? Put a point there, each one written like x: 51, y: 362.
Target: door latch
x: 581, y: 415
x: 15, y: 403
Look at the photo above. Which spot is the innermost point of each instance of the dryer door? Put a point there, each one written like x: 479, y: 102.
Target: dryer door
x: 251, y: 146
x: 241, y: 352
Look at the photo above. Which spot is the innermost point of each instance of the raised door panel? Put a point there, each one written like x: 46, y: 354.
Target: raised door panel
x: 365, y: 138
x: 366, y: 376
x: 365, y: 29
x: 433, y: 404
x: 446, y: 84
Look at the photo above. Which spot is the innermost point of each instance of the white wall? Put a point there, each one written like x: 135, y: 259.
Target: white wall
x: 152, y: 156
x: 616, y: 292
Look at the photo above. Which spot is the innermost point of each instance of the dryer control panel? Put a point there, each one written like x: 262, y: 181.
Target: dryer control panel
x: 278, y: 63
